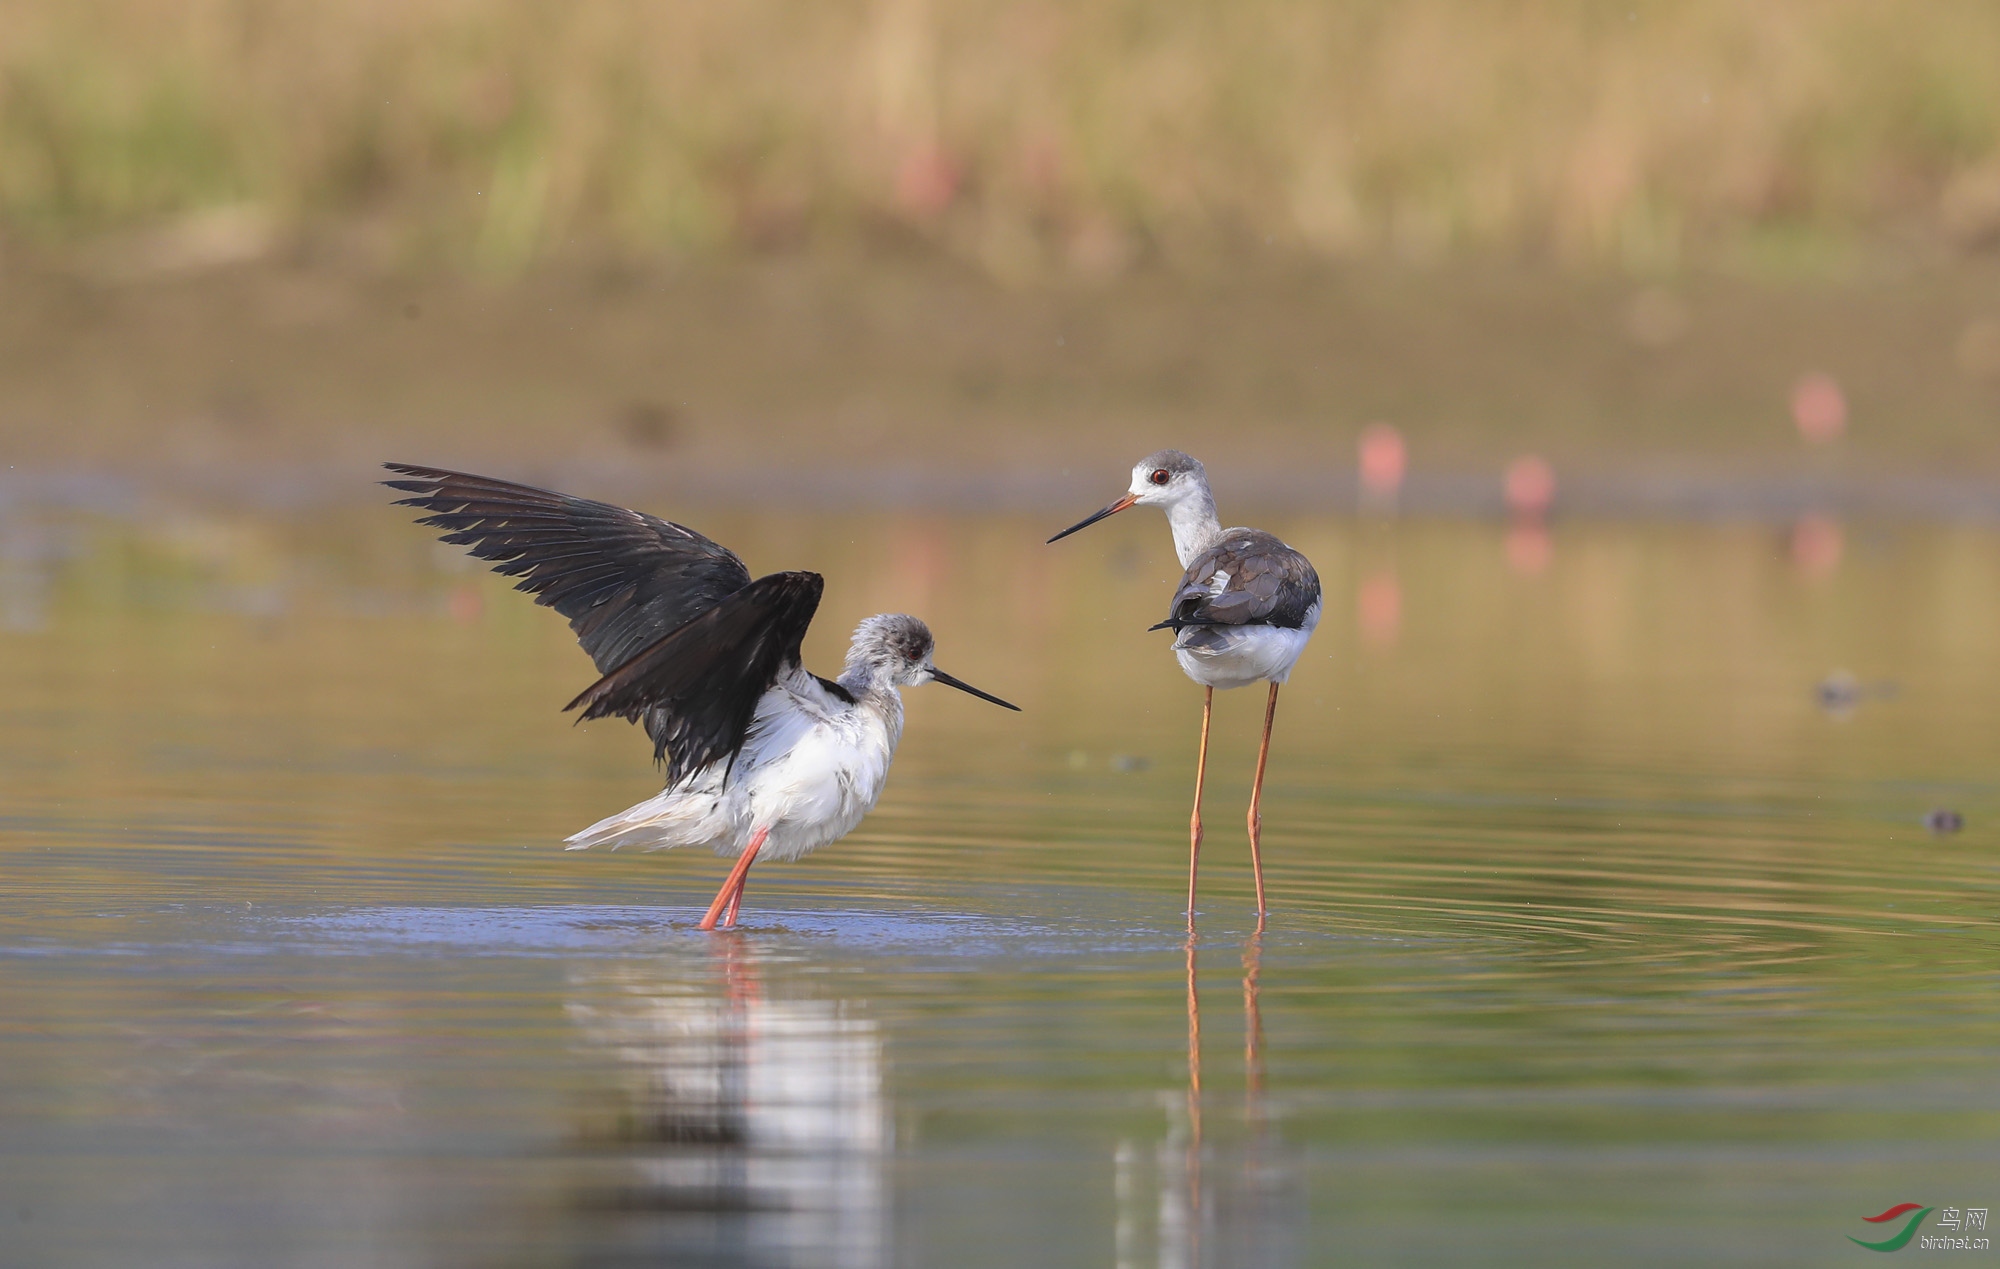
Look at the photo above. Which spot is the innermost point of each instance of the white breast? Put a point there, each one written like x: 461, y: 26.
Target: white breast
x: 810, y: 778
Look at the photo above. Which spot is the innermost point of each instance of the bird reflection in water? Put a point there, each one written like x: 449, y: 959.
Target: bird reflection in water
x: 1235, y: 1202
x: 745, y: 1127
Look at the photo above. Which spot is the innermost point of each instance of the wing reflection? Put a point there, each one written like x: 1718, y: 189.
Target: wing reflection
x: 749, y: 1128
x: 1197, y: 1201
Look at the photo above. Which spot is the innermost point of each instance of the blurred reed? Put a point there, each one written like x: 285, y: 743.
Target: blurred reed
x: 1036, y: 138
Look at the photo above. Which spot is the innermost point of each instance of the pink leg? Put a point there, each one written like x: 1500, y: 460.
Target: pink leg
x: 735, y: 901
x: 1253, y: 1019
x: 1194, y: 1105
x: 1256, y: 806
x: 1194, y: 821
x: 1194, y: 1037
x: 732, y: 889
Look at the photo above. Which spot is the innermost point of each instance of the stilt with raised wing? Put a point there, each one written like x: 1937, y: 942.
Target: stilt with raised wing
x: 763, y: 758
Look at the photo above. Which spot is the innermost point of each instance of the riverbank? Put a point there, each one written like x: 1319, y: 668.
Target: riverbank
x: 854, y: 378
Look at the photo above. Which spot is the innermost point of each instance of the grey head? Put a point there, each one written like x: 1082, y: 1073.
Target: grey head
x: 1167, y: 477
x: 1176, y: 483
x: 895, y: 650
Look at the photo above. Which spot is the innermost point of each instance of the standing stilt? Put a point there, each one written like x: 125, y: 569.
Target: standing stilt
x: 1194, y: 821
x: 707, y: 658
x: 732, y: 888
x: 1256, y: 800
x: 1244, y: 609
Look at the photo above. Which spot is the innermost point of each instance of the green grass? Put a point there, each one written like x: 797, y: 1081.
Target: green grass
x: 1034, y: 138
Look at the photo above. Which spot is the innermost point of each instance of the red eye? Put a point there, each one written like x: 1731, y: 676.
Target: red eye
x: 1160, y: 476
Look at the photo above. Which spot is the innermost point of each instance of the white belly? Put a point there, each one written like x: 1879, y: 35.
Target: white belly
x: 812, y: 793
x: 806, y: 778
x: 1237, y: 656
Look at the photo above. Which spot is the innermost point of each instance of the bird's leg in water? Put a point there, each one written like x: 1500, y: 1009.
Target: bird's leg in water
x: 732, y: 889
x: 1194, y: 821
x: 1256, y: 801
x: 1193, y: 1105
x: 736, y: 900
x: 1253, y: 1026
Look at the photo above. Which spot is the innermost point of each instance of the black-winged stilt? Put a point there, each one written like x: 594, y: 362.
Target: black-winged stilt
x: 762, y: 757
x: 1243, y: 612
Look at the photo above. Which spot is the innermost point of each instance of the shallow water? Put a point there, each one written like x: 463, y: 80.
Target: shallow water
x: 1598, y: 933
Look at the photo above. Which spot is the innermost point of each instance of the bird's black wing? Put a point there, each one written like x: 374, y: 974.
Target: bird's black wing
x: 703, y: 680
x: 1248, y: 578
x: 622, y: 578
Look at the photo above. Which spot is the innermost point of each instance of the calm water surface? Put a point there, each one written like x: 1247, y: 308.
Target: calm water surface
x: 1598, y: 936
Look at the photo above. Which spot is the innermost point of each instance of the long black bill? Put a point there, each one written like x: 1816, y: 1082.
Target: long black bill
x: 940, y: 676
x: 1087, y: 521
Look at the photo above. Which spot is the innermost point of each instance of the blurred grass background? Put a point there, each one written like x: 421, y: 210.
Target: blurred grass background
x: 959, y: 231
x: 1029, y: 137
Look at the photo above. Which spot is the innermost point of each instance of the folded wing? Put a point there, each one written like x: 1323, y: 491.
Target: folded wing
x: 1248, y: 578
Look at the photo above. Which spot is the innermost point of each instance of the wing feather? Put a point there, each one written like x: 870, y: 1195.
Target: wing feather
x: 1248, y: 578
x: 622, y: 578
x: 704, y: 679
x: 686, y: 642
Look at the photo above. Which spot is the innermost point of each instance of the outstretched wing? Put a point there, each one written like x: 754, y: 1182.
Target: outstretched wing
x: 622, y: 578
x: 702, y: 682
x: 1247, y: 578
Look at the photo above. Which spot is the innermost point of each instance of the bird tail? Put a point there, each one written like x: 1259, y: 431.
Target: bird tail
x: 659, y: 823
